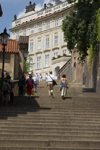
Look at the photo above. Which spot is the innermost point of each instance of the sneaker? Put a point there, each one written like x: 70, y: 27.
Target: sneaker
x: 52, y: 95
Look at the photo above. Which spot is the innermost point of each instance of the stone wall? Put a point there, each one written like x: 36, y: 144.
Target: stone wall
x: 82, y: 74
x: 11, y: 64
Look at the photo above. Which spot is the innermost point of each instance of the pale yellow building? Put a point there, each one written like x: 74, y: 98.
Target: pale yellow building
x: 46, y: 40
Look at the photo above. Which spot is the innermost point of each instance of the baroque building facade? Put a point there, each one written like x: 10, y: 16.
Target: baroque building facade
x: 46, y: 45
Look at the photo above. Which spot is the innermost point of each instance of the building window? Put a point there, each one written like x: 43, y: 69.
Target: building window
x: 40, y: 27
x: 39, y: 44
x: 56, y: 22
x: 47, y: 42
x: 31, y: 47
x: 56, y: 40
x: 31, y: 30
x: 47, y: 60
x: 48, y: 25
x: 17, y: 35
x: 24, y: 32
x: 31, y: 64
x: 64, y: 51
x: 39, y: 62
x: 55, y: 54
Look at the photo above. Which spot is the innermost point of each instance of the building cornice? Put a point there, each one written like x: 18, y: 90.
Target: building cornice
x: 64, y: 46
x: 45, y: 31
x: 22, y: 25
x: 39, y: 52
x: 56, y: 47
x: 47, y: 50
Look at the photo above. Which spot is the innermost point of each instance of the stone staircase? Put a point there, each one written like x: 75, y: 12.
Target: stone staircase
x: 46, y: 123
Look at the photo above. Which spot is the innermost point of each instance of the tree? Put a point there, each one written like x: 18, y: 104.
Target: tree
x: 28, y: 64
x: 80, y: 27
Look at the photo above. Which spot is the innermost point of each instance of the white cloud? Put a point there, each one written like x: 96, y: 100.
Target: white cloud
x: 21, y: 14
x: 39, y: 6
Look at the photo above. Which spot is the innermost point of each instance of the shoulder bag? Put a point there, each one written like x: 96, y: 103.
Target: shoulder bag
x: 53, y: 81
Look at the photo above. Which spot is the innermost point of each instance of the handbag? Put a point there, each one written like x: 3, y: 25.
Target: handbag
x: 32, y: 91
x: 53, y: 81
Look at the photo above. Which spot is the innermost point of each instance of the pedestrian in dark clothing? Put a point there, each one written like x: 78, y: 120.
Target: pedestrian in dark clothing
x: 21, y: 84
x: 10, y: 82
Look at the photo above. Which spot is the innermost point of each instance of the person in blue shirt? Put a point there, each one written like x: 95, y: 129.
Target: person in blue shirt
x: 63, y: 86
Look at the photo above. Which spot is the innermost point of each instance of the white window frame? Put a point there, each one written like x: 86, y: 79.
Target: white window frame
x: 39, y: 44
x: 56, y: 40
x: 24, y: 32
x: 56, y: 22
x: 55, y: 54
x: 31, y: 30
x: 40, y: 27
x: 39, y: 62
x: 64, y: 51
x: 47, y: 42
x: 47, y: 60
x: 31, y: 66
x: 17, y: 35
x: 31, y: 46
x: 48, y: 25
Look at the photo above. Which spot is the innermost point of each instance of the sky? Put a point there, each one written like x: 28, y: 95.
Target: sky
x: 16, y: 7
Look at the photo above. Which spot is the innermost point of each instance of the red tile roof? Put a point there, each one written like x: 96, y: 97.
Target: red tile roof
x: 12, y: 46
x: 50, y: 14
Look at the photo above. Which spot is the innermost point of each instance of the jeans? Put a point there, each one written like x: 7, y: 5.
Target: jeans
x: 35, y: 86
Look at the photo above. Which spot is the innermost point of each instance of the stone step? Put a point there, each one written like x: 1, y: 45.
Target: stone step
x: 85, y: 120
x: 47, y: 136
x: 6, y: 134
x: 53, y: 117
x: 67, y: 123
x: 45, y: 148
x: 42, y: 126
x: 47, y: 130
x: 51, y: 143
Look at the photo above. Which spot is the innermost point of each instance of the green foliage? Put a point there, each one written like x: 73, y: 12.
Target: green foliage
x: 90, y: 57
x: 98, y: 25
x: 28, y: 65
x: 80, y: 27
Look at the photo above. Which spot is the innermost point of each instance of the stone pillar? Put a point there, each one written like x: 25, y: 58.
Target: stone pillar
x: 21, y: 63
x: 12, y: 62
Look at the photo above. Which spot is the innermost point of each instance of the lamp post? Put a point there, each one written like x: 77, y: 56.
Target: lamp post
x: 25, y: 57
x: 1, y: 11
x: 4, y: 40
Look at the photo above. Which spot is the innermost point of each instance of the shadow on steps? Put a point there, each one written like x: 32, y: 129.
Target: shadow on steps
x: 91, y: 90
x: 21, y: 105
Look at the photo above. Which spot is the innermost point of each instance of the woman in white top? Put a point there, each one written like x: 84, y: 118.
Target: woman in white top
x: 50, y: 79
x: 64, y: 83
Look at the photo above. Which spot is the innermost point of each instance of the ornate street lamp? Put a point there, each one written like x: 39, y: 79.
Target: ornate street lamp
x: 25, y: 57
x: 1, y: 11
x: 4, y: 40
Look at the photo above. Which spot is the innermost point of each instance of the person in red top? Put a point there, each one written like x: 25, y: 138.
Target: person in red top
x: 30, y: 85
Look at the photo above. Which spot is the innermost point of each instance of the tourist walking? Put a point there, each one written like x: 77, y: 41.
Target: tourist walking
x: 46, y: 78
x: 30, y: 86
x: 40, y: 77
x: 35, y: 83
x: 6, y: 92
x: 63, y: 86
x: 10, y: 82
x: 21, y: 84
x: 50, y: 79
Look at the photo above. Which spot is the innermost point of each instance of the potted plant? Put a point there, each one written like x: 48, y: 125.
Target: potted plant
x: 64, y: 54
x: 53, y: 57
x: 59, y: 56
